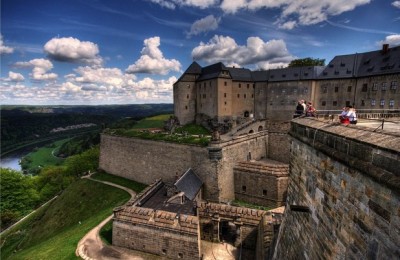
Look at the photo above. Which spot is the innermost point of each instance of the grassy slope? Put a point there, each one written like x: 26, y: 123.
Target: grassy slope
x: 152, y: 122
x: 53, y: 232
x: 44, y: 157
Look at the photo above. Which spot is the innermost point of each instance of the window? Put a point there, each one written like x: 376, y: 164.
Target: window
x: 336, y: 89
x: 244, y: 95
x: 240, y: 85
x: 187, y: 96
x: 384, y: 86
x: 325, y: 89
x: 362, y: 102
x: 347, y: 103
x: 204, y: 95
x: 188, y: 86
x: 252, y: 95
x: 382, y: 102
x: 180, y: 255
x: 164, y: 251
x: 348, y: 88
x: 225, y: 103
x: 393, y: 85
x: 334, y: 103
x: 391, y: 103
x: 224, y: 94
x: 254, y: 85
x: 225, y: 83
x: 305, y: 90
x: 375, y: 87
x: 243, y: 188
x: 204, y: 85
x: 248, y: 85
x: 186, y: 107
x: 238, y: 95
x: 373, y: 102
x: 264, y: 192
x: 364, y: 87
x: 323, y: 103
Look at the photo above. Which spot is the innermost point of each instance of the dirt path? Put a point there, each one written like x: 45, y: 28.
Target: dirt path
x: 91, y: 246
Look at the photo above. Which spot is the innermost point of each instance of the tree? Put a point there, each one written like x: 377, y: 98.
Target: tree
x: 307, y: 62
x: 17, y: 197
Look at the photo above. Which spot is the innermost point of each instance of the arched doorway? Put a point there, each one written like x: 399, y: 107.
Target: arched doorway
x: 260, y: 128
x: 246, y: 114
x: 251, y: 131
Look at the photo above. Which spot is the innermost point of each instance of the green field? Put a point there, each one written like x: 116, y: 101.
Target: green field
x: 103, y: 176
x: 54, y: 231
x: 43, y: 156
x: 152, y: 122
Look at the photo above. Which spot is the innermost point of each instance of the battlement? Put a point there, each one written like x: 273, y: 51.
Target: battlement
x: 264, y: 167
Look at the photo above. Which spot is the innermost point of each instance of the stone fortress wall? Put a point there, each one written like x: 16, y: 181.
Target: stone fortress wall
x: 146, y: 160
x: 346, y: 182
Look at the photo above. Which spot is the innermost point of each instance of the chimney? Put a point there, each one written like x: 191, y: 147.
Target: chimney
x: 385, y: 48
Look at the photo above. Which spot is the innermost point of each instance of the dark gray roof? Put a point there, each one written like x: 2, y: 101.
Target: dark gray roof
x: 189, y: 183
x: 342, y: 66
x: 212, y: 71
x: 194, y: 68
x: 240, y: 74
x: 261, y: 75
x: 379, y: 62
x: 295, y: 73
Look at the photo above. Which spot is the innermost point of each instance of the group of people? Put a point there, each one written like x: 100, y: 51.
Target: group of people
x: 304, y: 108
x: 348, y: 116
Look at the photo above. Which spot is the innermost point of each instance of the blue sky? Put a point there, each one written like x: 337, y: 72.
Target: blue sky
x: 132, y: 51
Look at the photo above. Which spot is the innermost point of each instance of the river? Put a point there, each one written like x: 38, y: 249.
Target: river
x: 12, y: 160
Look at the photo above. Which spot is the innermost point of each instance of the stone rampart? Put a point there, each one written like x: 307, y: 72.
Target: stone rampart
x: 261, y: 182
x: 146, y: 160
x: 343, y: 195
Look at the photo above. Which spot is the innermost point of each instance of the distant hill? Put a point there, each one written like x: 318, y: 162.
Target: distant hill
x: 23, y: 125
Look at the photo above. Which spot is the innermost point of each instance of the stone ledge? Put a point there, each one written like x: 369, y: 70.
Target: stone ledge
x: 338, y: 142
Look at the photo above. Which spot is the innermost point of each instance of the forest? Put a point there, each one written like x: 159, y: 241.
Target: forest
x: 23, y: 126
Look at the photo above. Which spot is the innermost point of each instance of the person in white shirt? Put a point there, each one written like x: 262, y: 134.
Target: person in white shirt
x: 352, y: 115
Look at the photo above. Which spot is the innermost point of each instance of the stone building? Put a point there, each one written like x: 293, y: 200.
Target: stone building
x: 173, y: 221
x: 369, y: 81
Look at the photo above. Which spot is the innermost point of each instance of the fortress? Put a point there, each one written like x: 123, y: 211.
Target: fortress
x: 332, y: 191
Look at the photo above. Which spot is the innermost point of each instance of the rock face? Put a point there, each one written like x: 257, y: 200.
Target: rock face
x: 346, y: 180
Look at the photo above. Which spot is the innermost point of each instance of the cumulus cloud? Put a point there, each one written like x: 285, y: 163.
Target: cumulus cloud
x: 256, y: 52
x: 206, y: 24
x: 152, y: 60
x: 396, y: 4
x: 172, y: 4
x: 40, y: 67
x: 73, y: 50
x: 14, y: 77
x: 306, y: 12
x: 5, y: 49
x: 392, y: 40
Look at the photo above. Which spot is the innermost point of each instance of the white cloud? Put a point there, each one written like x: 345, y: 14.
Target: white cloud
x: 206, y: 24
x: 5, y: 49
x: 396, y: 4
x: 307, y: 12
x: 256, y: 52
x: 14, y: 77
x: 172, y: 4
x: 392, y: 40
x: 152, y: 60
x: 40, y: 67
x: 73, y: 50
